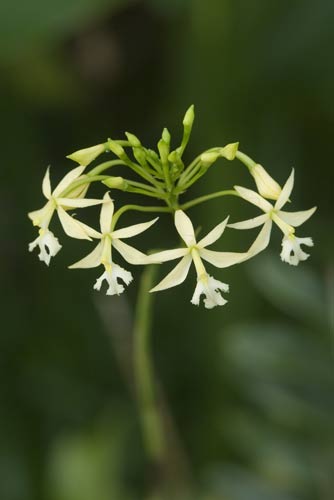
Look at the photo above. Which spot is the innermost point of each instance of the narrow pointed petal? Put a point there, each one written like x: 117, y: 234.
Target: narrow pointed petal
x: 75, y: 228
x: 107, y: 211
x: 130, y: 254
x: 223, y: 259
x: 93, y: 259
x: 166, y: 255
x: 46, y: 184
x: 250, y: 223
x: 78, y: 202
x: 213, y: 235
x: 66, y: 181
x: 185, y: 228
x: 254, y: 198
x: 295, y: 219
x: 286, y: 191
x: 176, y: 276
x: 128, y: 232
x: 262, y: 240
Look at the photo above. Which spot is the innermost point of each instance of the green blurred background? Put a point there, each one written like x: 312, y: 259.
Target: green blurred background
x: 249, y: 386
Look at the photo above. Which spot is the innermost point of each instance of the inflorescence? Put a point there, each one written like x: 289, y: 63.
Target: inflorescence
x: 165, y: 177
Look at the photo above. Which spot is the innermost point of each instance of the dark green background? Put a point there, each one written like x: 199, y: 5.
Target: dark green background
x: 249, y: 386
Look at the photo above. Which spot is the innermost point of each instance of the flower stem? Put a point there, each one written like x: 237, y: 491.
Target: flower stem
x: 246, y: 160
x: 207, y: 197
x: 151, y: 423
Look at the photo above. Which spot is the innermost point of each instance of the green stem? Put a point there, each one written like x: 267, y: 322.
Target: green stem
x: 80, y: 182
x: 207, y: 197
x: 246, y: 160
x: 139, y: 208
x: 103, y: 166
x: 151, y: 423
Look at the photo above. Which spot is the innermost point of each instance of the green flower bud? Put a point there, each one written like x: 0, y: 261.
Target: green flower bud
x: 166, y: 136
x: 116, y: 149
x: 229, y: 151
x: 133, y: 140
x: 209, y: 158
x: 85, y: 156
x: 116, y: 183
x: 163, y: 148
x: 189, y: 117
x: 140, y: 156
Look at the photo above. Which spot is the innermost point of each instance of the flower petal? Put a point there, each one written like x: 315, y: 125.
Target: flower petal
x: 128, y: 232
x: 176, y: 276
x: 107, y: 211
x: 262, y: 240
x: 254, y: 198
x: 286, y: 191
x: 66, y: 181
x: 185, y: 228
x: 250, y: 223
x: 223, y: 259
x: 75, y: 228
x: 130, y: 254
x: 78, y: 202
x: 295, y: 219
x: 166, y: 255
x: 46, y: 184
x: 93, y: 259
x: 213, y: 235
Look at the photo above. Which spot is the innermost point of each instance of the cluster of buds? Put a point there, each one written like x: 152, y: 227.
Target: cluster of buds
x: 165, y: 177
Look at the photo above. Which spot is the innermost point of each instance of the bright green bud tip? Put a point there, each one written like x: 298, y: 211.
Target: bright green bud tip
x: 166, y: 135
x: 85, y: 156
x: 229, y: 151
x: 189, y: 117
x: 133, y: 140
x: 116, y: 148
x: 116, y: 183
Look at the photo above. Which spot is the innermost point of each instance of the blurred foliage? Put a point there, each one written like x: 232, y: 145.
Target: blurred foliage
x: 250, y: 386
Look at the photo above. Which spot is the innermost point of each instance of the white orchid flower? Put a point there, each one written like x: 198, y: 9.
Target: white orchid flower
x: 102, y: 253
x: 195, y: 252
x: 48, y: 244
x: 286, y: 221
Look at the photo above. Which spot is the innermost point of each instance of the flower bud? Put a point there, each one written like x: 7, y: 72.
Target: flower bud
x: 229, y: 151
x: 163, y: 148
x: 166, y: 136
x: 116, y: 183
x: 116, y: 149
x: 266, y: 185
x: 209, y: 158
x: 85, y: 156
x: 133, y: 140
x: 189, y: 117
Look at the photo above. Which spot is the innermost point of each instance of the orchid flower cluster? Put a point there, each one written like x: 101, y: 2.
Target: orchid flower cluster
x: 163, y: 175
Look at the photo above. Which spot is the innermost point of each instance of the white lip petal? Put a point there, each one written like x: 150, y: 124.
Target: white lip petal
x: 176, y: 276
x: 128, y: 232
x: 78, y: 202
x: 254, y: 198
x: 250, y: 223
x: 185, y: 228
x: 73, y: 227
x: 93, y: 259
x: 213, y: 235
x: 223, y: 259
x: 286, y: 191
x: 130, y: 254
x: 166, y: 255
x: 66, y: 181
x: 295, y: 219
x: 107, y: 212
x: 46, y: 184
x: 262, y: 240
x: 211, y: 289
